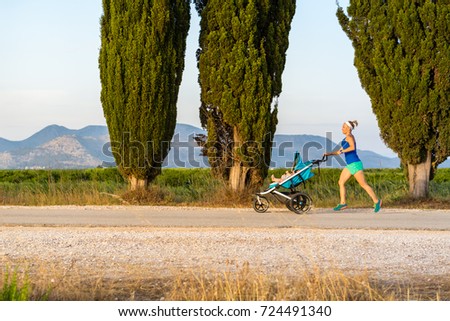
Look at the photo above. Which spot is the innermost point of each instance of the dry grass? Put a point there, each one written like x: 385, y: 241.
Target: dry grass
x: 49, y: 281
x: 426, y: 203
x: 73, y: 282
x: 219, y: 197
x: 77, y: 193
x: 316, y: 285
x: 152, y: 195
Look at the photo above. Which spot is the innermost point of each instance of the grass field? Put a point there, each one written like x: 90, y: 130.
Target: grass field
x: 47, y: 281
x: 196, y: 187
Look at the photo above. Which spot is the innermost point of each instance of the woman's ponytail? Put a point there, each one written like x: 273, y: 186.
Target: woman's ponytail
x: 354, y: 123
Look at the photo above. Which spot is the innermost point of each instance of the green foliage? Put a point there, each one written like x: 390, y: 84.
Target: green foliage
x: 12, y: 290
x: 241, y: 59
x: 184, y: 177
x: 402, y: 54
x: 141, y: 64
x: 440, y: 186
x: 179, y: 186
x: 64, y: 175
x: 58, y: 187
x: 198, y: 187
x: 442, y: 176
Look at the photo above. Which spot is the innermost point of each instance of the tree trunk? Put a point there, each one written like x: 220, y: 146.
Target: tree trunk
x: 137, y: 183
x: 238, y: 177
x: 238, y: 172
x: 419, y: 178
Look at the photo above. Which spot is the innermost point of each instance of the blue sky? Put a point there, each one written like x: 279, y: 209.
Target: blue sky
x: 49, y: 72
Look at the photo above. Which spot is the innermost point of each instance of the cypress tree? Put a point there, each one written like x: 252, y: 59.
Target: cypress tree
x: 402, y: 55
x: 143, y: 44
x: 241, y: 58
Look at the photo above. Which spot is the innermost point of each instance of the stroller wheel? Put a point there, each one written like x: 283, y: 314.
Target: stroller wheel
x: 260, y: 204
x: 300, y: 203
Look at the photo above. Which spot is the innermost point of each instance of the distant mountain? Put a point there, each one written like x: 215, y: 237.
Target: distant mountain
x: 56, y: 147
x: 60, y: 147
x: 41, y: 137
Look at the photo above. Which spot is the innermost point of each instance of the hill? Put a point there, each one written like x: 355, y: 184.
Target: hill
x: 59, y: 147
x: 56, y: 147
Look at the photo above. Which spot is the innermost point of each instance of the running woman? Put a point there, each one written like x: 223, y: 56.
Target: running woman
x: 354, y: 167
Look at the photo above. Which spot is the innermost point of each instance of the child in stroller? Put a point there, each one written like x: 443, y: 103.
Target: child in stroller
x: 296, y: 201
x: 285, y: 175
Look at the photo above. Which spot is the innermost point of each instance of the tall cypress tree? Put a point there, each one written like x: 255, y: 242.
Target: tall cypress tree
x: 141, y: 64
x: 241, y: 58
x: 402, y: 55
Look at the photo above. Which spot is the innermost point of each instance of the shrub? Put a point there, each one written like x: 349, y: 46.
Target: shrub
x: 12, y: 290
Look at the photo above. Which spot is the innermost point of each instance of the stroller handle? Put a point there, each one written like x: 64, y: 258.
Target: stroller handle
x: 318, y: 161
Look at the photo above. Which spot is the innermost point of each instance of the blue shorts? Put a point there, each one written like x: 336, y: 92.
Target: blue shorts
x: 355, y: 167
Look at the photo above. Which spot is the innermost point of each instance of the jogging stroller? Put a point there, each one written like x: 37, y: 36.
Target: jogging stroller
x: 295, y: 200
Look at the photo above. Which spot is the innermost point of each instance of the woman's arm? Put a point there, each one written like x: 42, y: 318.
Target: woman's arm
x: 332, y: 153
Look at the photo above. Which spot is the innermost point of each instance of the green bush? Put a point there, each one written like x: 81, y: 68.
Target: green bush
x: 60, y: 187
x: 12, y: 291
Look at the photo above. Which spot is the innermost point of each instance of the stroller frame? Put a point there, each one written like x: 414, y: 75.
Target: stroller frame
x: 295, y: 200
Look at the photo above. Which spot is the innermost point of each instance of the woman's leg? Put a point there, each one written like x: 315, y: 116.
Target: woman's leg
x: 345, y: 175
x: 360, y: 178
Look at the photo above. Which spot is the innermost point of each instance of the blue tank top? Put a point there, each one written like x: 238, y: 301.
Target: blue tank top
x: 350, y: 157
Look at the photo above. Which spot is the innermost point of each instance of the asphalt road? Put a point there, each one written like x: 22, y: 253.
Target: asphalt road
x: 150, y: 216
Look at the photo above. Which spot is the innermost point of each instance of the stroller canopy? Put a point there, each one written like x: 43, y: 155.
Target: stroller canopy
x: 297, y: 178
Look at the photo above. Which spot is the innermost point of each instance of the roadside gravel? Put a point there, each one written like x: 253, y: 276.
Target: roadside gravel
x: 387, y: 254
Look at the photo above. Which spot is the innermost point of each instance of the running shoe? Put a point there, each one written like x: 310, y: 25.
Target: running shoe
x: 377, y: 206
x: 340, y: 207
